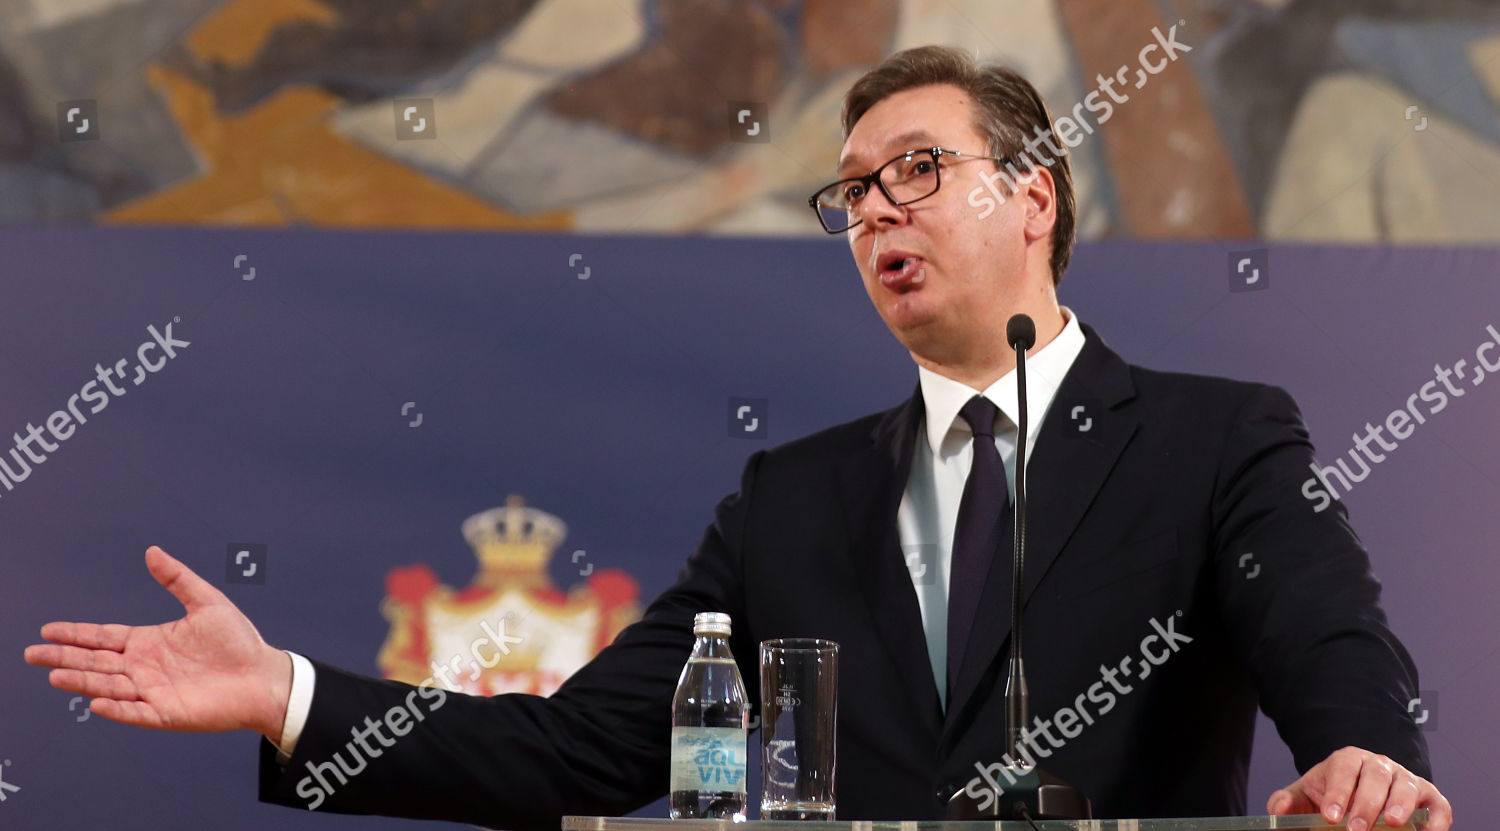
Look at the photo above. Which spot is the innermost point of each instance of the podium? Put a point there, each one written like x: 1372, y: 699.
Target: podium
x: 1299, y: 822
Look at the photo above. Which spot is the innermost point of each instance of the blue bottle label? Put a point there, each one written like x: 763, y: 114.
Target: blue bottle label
x: 708, y: 759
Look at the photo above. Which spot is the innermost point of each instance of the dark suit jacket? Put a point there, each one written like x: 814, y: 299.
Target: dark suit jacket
x: 1144, y: 517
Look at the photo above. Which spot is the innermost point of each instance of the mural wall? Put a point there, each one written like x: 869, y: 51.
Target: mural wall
x: 1332, y: 120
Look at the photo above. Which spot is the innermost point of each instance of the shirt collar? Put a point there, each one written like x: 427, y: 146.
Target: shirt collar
x: 1045, y: 368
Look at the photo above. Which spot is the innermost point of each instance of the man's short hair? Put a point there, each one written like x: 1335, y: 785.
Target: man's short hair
x: 1007, y: 110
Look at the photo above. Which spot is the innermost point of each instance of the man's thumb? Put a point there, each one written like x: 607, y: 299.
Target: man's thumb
x: 190, y: 590
x: 1289, y: 800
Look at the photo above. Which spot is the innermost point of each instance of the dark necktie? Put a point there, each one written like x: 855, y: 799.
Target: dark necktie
x: 976, y: 533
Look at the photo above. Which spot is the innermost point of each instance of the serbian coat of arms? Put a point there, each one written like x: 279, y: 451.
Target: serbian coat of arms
x: 511, y: 629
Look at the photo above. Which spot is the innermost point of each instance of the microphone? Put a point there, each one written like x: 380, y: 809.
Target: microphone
x: 1020, y: 332
x: 1030, y: 792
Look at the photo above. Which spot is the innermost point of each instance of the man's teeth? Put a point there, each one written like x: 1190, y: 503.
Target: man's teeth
x: 921, y: 275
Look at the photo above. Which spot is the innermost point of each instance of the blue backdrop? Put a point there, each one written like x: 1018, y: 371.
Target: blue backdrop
x: 605, y: 401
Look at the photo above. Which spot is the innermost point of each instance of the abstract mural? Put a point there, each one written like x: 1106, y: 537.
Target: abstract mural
x: 1319, y: 120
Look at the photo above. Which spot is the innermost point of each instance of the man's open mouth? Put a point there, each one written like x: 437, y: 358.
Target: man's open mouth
x: 900, y: 271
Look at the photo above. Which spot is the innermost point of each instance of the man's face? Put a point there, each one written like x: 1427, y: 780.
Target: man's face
x: 969, y: 273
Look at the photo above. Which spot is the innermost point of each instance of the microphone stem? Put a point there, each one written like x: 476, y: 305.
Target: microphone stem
x: 1017, y: 696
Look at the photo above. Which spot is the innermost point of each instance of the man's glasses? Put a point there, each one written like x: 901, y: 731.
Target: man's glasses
x: 911, y: 176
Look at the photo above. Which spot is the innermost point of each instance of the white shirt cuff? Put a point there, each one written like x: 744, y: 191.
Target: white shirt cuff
x: 297, y: 706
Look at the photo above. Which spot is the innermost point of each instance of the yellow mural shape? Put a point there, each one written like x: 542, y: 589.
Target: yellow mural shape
x: 235, y: 34
x: 281, y: 163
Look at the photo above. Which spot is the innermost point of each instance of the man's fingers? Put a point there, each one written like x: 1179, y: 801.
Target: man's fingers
x: 111, y: 636
x: 1375, y: 778
x: 1439, y: 810
x: 1290, y: 800
x: 190, y: 590
x: 1359, y: 787
x: 134, y: 713
x: 72, y: 657
x: 1403, y: 798
x: 1340, y: 775
x: 93, y: 684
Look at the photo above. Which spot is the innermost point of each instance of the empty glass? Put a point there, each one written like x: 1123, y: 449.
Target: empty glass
x: 799, y: 713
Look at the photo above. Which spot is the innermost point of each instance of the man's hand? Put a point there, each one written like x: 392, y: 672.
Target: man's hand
x: 209, y: 670
x: 1362, y: 784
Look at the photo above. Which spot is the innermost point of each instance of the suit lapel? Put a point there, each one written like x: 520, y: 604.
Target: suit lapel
x: 1065, y: 471
x: 872, y: 483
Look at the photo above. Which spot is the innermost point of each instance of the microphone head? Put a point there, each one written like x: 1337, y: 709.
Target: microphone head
x: 1021, y: 331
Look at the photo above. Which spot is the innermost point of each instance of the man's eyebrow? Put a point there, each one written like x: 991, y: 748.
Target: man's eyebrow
x: 906, y: 141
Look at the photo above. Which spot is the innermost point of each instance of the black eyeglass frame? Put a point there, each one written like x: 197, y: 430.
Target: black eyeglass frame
x: 873, y: 177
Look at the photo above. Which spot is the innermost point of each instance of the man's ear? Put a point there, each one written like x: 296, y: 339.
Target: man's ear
x: 1039, y: 194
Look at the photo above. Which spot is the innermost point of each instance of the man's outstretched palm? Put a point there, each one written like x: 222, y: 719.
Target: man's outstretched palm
x: 208, y: 670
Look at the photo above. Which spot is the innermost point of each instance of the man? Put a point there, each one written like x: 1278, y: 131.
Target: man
x: 1149, y: 648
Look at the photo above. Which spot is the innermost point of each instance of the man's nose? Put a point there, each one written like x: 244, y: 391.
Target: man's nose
x: 876, y: 209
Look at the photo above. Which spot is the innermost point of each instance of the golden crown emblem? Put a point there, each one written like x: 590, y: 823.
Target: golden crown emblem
x: 514, y: 542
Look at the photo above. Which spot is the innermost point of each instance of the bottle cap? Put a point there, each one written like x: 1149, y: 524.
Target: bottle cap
x: 711, y: 623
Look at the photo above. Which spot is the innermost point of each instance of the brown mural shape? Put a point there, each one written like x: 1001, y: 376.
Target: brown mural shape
x: 1173, y: 174
x: 676, y: 91
x: 842, y: 34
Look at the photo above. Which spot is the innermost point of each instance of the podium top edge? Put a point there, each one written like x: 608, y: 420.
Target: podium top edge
x: 1293, y: 822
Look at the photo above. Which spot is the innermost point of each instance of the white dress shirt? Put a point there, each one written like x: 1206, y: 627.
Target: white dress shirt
x: 929, y: 508
x: 940, y: 466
